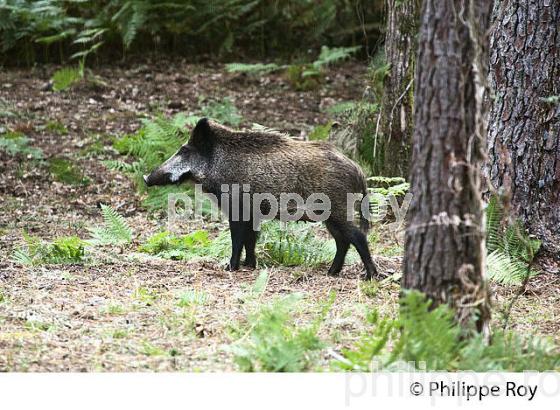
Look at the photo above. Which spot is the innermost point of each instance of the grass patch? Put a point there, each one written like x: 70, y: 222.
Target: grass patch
x: 191, y: 298
x: 119, y: 334
x: 169, y: 246
x: 65, y: 171
x: 369, y: 288
x: 38, y: 326
x: 56, y: 127
x: 114, y: 309
x: 149, y: 349
x: 321, y: 132
x: 144, y: 296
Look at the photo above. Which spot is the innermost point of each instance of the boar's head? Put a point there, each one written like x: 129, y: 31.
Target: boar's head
x: 188, y: 163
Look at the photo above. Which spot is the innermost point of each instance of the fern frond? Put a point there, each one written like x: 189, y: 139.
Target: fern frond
x: 66, y: 77
x: 511, y: 249
x: 494, y: 218
x: 253, y: 68
x: 333, y: 55
x: 115, y: 229
x: 121, y: 166
x: 501, y: 268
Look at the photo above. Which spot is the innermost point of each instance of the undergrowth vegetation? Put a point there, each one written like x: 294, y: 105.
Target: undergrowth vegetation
x: 65, y: 250
x: 430, y: 339
x: 511, y: 250
x: 53, y: 30
x: 73, y: 250
x: 66, y: 171
x: 273, y: 342
x: 16, y: 143
x: 270, y: 338
x: 303, y: 76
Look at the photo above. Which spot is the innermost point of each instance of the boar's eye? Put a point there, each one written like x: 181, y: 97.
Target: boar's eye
x: 184, y: 150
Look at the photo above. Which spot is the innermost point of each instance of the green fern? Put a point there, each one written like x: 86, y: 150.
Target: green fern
x: 115, y: 229
x: 130, y: 18
x: 501, y: 268
x: 333, y: 55
x: 65, y: 250
x: 321, y: 132
x: 295, y: 244
x: 274, y: 342
x: 494, y: 217
x: 430, y: 339
x: 253, y: 68
x: 121, y: 166
x: 511, y: 249
x: 510, y: 352
x: 169, y: 246
x: 223, y: 111
x: 154, y: 143
x: 66, y: 77
x: 429, y: 336
x: 342, y: 108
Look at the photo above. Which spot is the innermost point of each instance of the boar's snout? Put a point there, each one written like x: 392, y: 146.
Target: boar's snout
x: 157, y: 177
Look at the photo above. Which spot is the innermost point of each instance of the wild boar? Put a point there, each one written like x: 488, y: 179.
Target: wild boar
x: 268, y: 165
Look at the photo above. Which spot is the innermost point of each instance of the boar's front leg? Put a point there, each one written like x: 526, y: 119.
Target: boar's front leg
x: 237, y: 230
x: 250, y: 243
x: 242, y: 236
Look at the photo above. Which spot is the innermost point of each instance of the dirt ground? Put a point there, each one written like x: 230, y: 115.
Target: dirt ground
x: 120, y: 312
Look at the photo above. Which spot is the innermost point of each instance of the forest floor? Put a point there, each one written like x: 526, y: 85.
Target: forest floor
x: 121, y: 311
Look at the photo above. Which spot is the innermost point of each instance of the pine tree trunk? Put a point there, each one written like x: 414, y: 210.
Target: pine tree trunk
x: 444, y: 246
x: 395, y: 131
x: 524, y: 122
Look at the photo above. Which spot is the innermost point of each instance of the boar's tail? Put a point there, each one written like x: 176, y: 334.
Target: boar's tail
x: 364, y: 218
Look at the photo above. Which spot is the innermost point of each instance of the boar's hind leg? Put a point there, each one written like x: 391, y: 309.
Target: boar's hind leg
x: 242, y: 235
x: 345, y: 233
x: 342, y: 245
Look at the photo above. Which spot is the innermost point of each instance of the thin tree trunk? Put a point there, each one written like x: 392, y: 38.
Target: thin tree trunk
x: 524, y: 122
x: 444, y: 246
x: 395, y: 132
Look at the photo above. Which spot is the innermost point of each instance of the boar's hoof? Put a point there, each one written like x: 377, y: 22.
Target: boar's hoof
x: 334, y: 272
x: 371, y: 273
x: 250, y: 264
x: 231, y: 268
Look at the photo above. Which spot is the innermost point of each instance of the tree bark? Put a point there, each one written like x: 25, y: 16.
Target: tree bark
x: 524, y: 122
x: 396, y: 124
x: 444, y: 245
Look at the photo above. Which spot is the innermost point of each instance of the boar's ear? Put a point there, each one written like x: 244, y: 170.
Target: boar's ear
x: 202, y: 136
